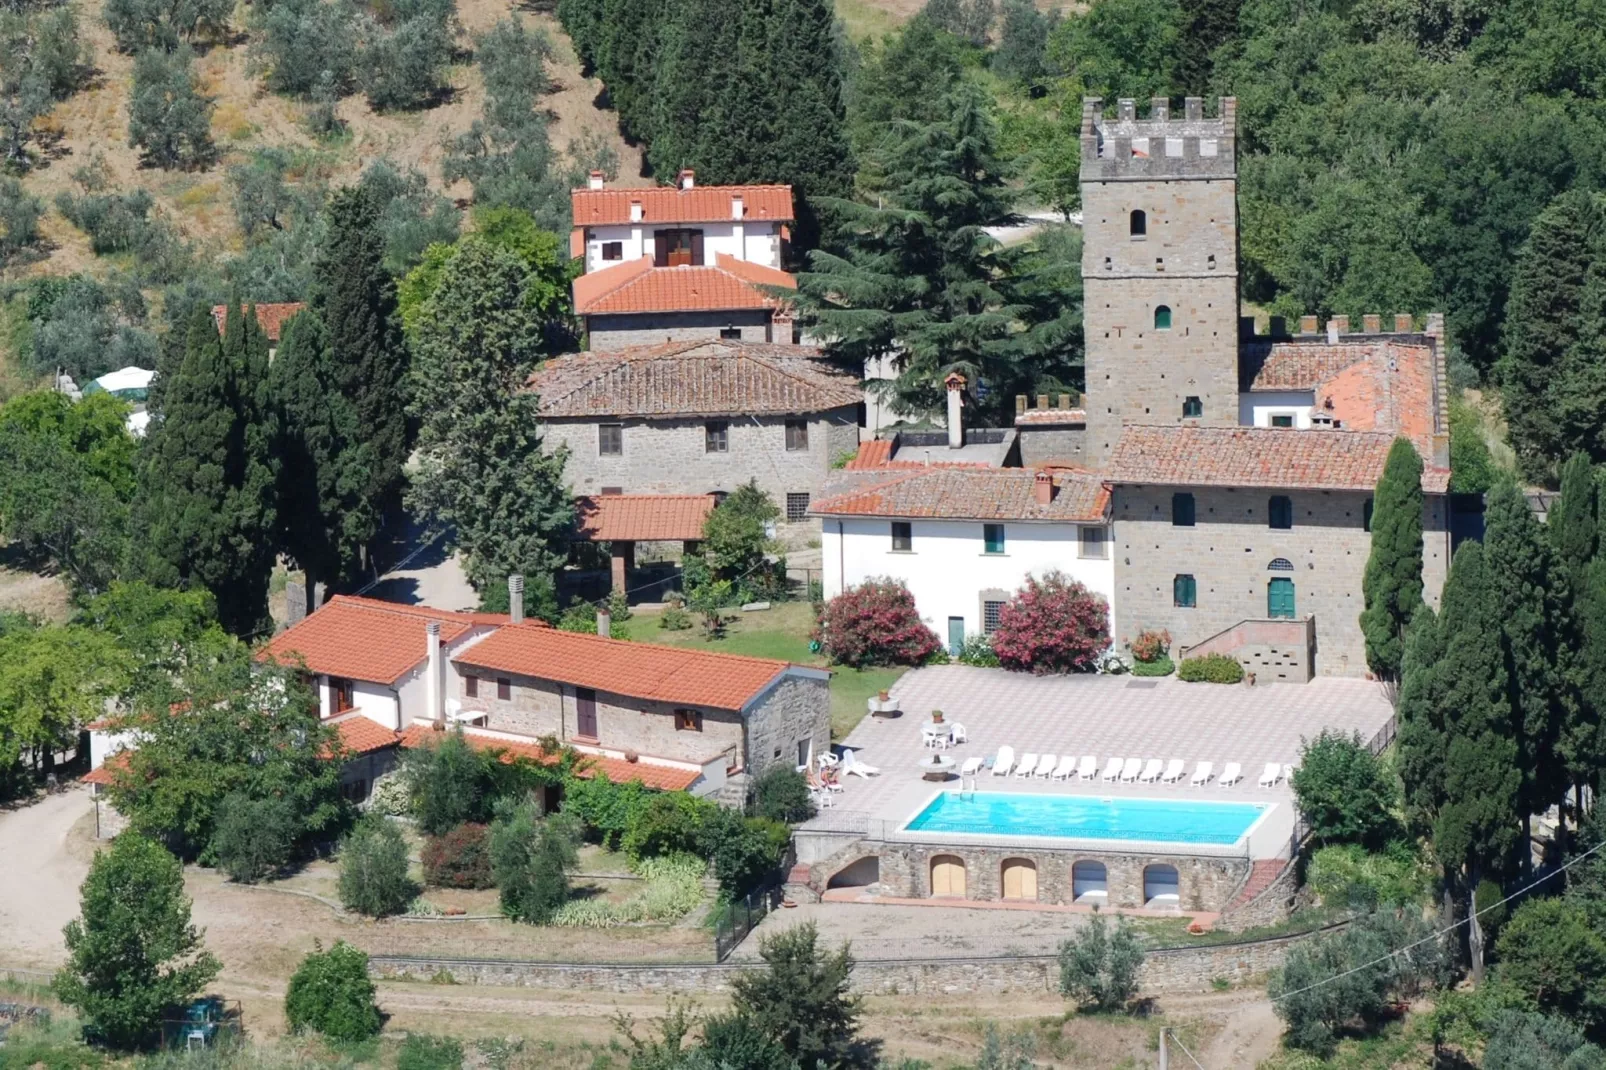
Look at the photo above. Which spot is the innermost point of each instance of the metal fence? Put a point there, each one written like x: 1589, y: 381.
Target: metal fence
x: 738, y: 919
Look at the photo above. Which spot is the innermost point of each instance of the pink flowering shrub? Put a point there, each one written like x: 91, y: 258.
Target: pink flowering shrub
x: 1052, y: 625
x: 874, y: 623
x: 1151, y: 645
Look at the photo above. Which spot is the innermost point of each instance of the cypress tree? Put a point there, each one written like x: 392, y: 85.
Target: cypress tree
x: 1573, y: 527
x: 1477, y: 832
x: 1392, y: 583
x: 1421, y: 737
x: 1530, y: 595
x: 1586, y: 742
x: 1573, y: 522
x: 1206, y: 26
x: 207, y: 511
x: 1543, y: 324
x: 1578, y: 389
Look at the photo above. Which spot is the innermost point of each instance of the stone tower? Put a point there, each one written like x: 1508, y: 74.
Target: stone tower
x: 1159, y: 268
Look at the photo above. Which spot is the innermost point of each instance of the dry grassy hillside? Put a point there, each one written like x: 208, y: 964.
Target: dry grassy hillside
x: 247, y: 117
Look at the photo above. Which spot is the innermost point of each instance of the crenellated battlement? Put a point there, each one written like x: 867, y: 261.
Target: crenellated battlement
x: 1161, y: 145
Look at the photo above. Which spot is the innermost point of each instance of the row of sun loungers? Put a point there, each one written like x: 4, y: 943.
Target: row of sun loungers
x: 1123, y: 770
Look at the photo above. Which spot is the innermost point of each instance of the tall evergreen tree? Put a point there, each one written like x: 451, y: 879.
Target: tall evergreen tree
x: 1586, y: 738
x: 206, y: 512
x: 1531, y: 596
x: 1573, y: 527
x: 1421, y: 739
x: 1206, y: 26
x: 1544, y: 321
x: 482, y: 472
x: 1574, y: 521
x: 1477, y: 832
x: 339, y: 390
x: 1392, y: 583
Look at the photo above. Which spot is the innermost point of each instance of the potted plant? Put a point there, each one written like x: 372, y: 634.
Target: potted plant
x: 936, y: 717
x: 884, y: 695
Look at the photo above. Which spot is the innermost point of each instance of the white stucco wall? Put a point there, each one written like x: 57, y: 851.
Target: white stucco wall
x: 758, y: 242
x: 1257, y: 409
x: 948, y: 570
x: 103, y: 743
x: 379, y: 701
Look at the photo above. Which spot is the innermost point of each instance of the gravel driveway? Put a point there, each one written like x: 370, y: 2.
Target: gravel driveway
x: 39, y: 889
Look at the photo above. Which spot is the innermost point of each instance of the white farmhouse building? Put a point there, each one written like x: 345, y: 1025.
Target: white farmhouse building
x: 964, y: 539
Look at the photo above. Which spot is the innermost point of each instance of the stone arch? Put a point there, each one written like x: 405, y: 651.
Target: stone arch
x: 1018, y: 879
x: 860, y: 873
x: 948, y: 876
x: 1161, y: 885
x: 1090, y: 882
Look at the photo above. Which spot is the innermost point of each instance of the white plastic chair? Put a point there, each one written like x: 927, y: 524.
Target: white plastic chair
x: 1004, y: 764
x: 1201, y: 774
x: 958, y: 734
x: 1089, y: 768
x: 1231, y: 774
x: 1151, y: 771
x: 1173, y: 771
x: 1271, y: 774
x: 1065, y: 768
x: 824, y: 800
x: 972, y: 766
x: 1028, y: 766
x: 1130, y: 771
x: 1112, y: 770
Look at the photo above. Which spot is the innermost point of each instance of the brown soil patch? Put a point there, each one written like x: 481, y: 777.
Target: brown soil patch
x: 46, y: 597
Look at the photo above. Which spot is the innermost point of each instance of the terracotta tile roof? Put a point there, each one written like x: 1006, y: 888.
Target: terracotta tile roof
x: 643, y: 517
x: 877, y: 453
x: 974, y: 494
x: 270, y: 317
x: 1256, y: 457
x: 671, y: 204
x: 367, y: 639
x: 637, y: 670
x: 699, y: 378
x: 1050, y: 417
x: 360, y: 734
x: 108, y: 771
x: 636, y: 286
x: 652, y: 775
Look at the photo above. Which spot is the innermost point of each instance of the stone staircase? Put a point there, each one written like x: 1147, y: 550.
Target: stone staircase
x: 1276, y: 650
x: 1262, y: 875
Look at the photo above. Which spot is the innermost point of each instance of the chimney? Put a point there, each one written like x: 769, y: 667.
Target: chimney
x: 596, y: 179
x: 1043, y: 488
x: 515, y: 598
x: 1020, y: 404
x: 686, y: 179
x: 1307, y: 325
x: 956, y: 426
x: 1403, y: 323
x: 737, y: 211
x: 432, y: 671
x: 604, y: 622
x: 635, y: 211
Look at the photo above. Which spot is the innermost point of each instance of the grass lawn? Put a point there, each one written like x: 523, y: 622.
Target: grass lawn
x: 782, y: 632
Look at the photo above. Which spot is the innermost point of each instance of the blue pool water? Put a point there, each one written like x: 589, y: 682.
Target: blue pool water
x: 1087, y: 817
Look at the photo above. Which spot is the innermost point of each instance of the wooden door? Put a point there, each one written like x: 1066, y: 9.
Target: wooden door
x: 585, y: 706
x: 1020, y: 879
x: 947, y: 876
x: 1280, y: 598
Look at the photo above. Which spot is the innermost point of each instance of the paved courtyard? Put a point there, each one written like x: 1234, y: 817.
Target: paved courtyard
x: 1103, y: 716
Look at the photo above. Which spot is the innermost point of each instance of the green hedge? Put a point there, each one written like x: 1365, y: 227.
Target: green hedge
x: 1211, y: 669
x: 1160, y: 666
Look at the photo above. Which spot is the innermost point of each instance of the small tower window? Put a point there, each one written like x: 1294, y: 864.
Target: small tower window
x: 1192, y: 408
x: 1140, y: 223
x: 1162, y: 317
x: 1210, y: 261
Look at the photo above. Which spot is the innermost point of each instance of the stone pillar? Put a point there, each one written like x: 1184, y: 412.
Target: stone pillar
x: 624, y: 560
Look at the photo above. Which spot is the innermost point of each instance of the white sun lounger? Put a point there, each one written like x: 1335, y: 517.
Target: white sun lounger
x: 1231, y: 774
x: 1173, y: 771
x: 851, y: 764
x: 1112, y: 771
x: 1066, y: 767
x: 1046, y: 765
x: 1151, y: 771
x: 972, y: 766
x: 1028, y: 766
x: 1272, y: 773
x: 1201, y: 773
x: 1130, y: 771
x: 1005, y: 762
x: 1088, y: 768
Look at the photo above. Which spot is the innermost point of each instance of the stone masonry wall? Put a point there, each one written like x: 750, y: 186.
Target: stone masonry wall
x: 1229, y: 550
x: 798, y: 709
x: 606, y: 333
x: 1204, y: 883
x: 1038, y: 445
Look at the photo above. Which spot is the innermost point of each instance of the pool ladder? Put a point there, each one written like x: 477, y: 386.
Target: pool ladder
x: 975, y: 785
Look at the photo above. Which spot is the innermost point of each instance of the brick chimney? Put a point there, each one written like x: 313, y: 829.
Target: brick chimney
x: 595, y: 180
x: 686, y: 179
x: 1043, y: 488
x: 956, y: 398
x: 515, y: 598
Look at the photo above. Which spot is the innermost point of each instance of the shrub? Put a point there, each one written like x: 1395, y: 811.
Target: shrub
x: 1211, y: 669
x: 1052, y: 625
x: 1551, y: 954
x: 531, y: 859
x: 606, y: 809
x: 254, y: 838
x: 978, y: 650
x: 447, y: 779
x: 670, y: 823
x: 332, y: 994
x: 1160, y: 666
x: 19, y: 218
x: 1345, y: 793
x: 782, y: 794
x: 674, y: 618
x: 673, y: 887
x: 1150, y: 645
x: 420, y: 1051
x: 1347, y: 875
x: 1100, y: 967
x: 743, y: 851
x: 459, y: 858
x: 390, y: 796
x: 875, y: 623
x: 373, y: 870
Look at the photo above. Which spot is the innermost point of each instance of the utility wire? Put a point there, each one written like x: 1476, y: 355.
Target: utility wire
x: 1445, y: 931
x: 1171, y: 1035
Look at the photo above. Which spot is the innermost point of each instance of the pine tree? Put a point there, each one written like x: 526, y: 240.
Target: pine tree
x: 1544, y: 322
x: 1531, y: 600
x: 206, y: 511
x: 482, y: 471
x: 1392, y: 583
x: 806, y: 141
x: 1478, y: 829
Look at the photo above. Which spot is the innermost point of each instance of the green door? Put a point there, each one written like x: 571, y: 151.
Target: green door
x: 956, y: 635
x: 1280, y: 598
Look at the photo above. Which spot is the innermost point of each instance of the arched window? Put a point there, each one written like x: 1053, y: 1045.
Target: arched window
x: 1280, y: 564
x: 1139, y: 223
x: 1192, y: 408
x: 1090, y: 882
x: 948, y: 876
x: 1162, y: 317
x: 1020, y: 879
x: 1160, y: 886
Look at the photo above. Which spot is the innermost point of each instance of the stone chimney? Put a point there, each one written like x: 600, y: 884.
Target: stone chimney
x: 432, y: 671
x: 595, y: 180
x: 604, y: 622
x: 515, y: 598
x: 1043, y: 488
x: 686, y: 179
x: 956, y: 403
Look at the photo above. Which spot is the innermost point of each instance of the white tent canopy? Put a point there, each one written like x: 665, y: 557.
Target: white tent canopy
x: 124, y: 379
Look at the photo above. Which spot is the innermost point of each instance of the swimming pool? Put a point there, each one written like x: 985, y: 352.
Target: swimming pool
x: 1087, y: 817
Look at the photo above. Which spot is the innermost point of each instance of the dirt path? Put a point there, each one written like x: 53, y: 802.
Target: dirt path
x: 1250, y: 1029
x: 39, y: 892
